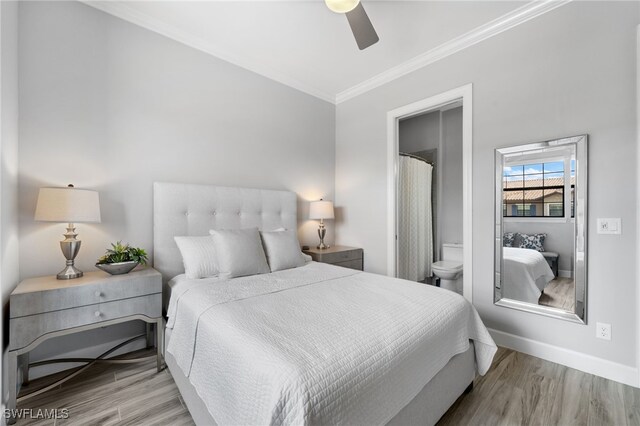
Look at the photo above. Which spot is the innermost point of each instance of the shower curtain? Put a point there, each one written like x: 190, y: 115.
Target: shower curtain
x: 415, y: 228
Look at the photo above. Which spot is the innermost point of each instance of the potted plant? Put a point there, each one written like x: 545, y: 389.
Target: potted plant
x: 121, y: 259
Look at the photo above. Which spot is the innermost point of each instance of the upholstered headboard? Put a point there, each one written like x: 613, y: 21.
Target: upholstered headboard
x: 187, y: 209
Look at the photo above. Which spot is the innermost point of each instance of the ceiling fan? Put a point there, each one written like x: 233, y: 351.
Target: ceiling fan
x: 359, y: 22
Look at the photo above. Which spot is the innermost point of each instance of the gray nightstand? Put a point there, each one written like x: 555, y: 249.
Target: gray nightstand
x: 44, y: 307
x: 349, y: 257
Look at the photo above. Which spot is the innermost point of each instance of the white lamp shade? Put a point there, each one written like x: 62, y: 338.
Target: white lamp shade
x: 341, y: 6
x: 69, y: 205
x: 321, y: 210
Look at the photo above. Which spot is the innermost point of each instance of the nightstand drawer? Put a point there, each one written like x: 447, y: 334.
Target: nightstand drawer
x: 340, y: 256
x: 87, y: 290
x: 351, y: 264
x: 26, y: 329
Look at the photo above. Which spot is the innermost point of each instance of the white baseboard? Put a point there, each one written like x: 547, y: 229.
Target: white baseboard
x: 589, y: 364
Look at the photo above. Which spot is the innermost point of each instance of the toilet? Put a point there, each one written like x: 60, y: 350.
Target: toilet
x: 449, y: 269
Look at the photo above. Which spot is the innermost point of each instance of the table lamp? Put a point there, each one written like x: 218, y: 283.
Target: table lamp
x: 70, y: 205
x: 321, y: 210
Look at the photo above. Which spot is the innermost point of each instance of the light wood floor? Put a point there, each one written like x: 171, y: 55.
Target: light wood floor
x: 518, y: 390
x: 560, y: 293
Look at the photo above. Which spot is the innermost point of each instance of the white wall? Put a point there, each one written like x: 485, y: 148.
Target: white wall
x: 110, y: 106
x: 568, y: 72
x: 8, y: 162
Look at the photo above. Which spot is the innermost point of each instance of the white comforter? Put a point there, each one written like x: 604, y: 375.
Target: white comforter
x: 526, y: 273
x: 317, y: 344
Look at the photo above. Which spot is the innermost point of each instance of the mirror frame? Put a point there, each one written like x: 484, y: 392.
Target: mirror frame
x: 580, y: 228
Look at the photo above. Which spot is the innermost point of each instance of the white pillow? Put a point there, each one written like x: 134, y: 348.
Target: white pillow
x: 283, y: 250
x: 239, y: 252
x: 198, y: 256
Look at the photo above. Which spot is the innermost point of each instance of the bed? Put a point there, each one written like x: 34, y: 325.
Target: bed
x: 526, y: 274
x: 316, y: 344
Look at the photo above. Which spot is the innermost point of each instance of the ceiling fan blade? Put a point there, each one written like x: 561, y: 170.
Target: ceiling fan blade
x: 361, y: 27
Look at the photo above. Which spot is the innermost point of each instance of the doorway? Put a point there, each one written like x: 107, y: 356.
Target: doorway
x: 431, y: 109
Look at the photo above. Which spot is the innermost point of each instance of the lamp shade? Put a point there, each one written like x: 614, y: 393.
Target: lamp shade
x: 69, y: 205
x: 321, y: 210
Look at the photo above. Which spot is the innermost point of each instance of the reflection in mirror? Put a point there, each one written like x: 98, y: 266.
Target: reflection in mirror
x: 540, y: 238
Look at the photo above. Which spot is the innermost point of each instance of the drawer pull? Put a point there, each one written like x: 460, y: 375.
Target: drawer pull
x: 97, y: 314
x: 98, y: 294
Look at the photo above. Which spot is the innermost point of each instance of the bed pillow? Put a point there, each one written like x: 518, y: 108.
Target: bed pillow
x: 508, y: 238
x: 532, y: 241
x: 198, y: 256
x: 282, y: 249
x: 239, y: 252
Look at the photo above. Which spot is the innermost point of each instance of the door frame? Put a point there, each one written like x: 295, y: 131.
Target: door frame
x: 463, y: 94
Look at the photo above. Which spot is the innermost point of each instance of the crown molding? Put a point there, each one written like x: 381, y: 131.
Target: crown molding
x: 505, y: 22
x: 122, y: 11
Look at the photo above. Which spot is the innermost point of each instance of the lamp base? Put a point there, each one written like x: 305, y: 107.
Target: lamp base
x: 321, y: 233
x: 69, y: 272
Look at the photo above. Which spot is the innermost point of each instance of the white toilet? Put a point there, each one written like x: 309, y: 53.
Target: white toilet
x: 449, y: 269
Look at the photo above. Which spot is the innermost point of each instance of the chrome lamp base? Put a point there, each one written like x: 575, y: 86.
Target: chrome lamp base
x: 70, y: 248
x: 321, y: 233
x: 69, y: 272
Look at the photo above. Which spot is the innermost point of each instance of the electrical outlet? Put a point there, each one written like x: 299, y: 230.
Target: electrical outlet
x: 603, y: 331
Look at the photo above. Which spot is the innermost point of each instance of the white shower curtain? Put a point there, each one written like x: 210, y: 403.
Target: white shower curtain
x: 415, y: 228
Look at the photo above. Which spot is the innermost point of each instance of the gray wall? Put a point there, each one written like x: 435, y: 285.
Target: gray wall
x: 560, y: 238
x: 568, y: 72
x: 110, y: 106
x: 420, y: 133
x: 8, y: 162
x: 451, y: 221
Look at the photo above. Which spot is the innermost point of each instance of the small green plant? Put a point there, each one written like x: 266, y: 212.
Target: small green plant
x: 123, y: 253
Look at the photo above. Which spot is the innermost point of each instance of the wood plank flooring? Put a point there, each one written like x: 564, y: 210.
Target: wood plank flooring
x: 523, y: 390
x: 518, y: 390
x: 112, y: 394
x: 559, y: 293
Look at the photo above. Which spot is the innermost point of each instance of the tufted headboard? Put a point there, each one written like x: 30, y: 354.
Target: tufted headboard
x: 187, y: 209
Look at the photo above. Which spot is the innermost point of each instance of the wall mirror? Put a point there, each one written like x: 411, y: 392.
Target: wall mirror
x: 540, y: 228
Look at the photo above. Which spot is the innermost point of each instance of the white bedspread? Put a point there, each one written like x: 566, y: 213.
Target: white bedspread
x: 526, y: 273
x: 317, y: 344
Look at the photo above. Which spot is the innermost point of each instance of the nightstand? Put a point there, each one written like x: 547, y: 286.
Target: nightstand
x: 349, y: 257
x: 552, y: 260
x: 45, y: 307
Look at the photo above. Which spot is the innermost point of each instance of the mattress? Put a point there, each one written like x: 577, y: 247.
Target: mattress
x: 526, y: 274
x: 316, y: 344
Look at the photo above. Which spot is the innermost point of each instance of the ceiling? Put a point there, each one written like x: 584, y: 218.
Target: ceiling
x: 303, y: 44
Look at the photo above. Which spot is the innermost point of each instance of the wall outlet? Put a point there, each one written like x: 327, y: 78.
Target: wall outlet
x: 603, y: 331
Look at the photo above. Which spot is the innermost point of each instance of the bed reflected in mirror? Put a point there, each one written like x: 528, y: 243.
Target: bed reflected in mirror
x: 540, y: 239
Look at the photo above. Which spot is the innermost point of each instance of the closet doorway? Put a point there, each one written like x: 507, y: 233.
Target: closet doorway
x: 429, y: 143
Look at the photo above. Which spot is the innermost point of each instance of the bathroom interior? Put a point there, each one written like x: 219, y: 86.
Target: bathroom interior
x: 430, y: 198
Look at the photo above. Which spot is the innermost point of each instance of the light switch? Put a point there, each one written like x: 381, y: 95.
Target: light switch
x: 609, y: 225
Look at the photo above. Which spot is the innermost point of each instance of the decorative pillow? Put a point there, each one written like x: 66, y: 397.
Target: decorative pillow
x: 532, y: 241
x: 239, y: 252
x: 508, y: 238
x: 283, y: 250
x: 198, y: 256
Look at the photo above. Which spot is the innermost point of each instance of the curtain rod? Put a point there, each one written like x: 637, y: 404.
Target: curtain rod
x: 416, y: 157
